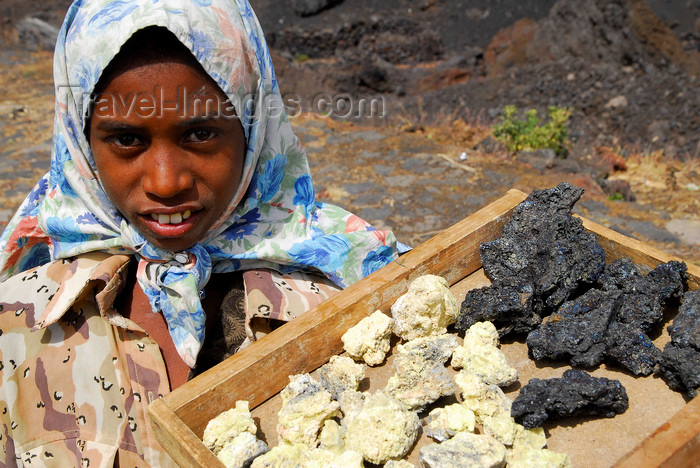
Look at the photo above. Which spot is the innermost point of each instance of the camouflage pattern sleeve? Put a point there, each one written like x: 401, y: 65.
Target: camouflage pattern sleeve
x: 75, y: 377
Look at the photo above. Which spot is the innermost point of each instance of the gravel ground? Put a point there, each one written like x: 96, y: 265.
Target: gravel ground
x: 417, y: 170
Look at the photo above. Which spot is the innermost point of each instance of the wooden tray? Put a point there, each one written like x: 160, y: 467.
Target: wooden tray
x: 664, y: 432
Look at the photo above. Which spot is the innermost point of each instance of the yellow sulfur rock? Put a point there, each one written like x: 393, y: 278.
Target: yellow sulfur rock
x: 484, y: 399
x: 351, y: 403
x: 537, y: 458
x: 241, y: 451
x: 443, y: 423
x: 528, y: 451
x: 464, y: 450
x: 436, y: 348
x: 383, y: 429
x: 227, y: 425
x: 501, y: 426
x: 534, y: 438
x: 426, y: 309
x: 341, y: 373
x: 480, y: 355
x: 332, y: 437
x: 370, y: 339
x: 306, y: 405
x: 484, y: 333
x: 418, y: 382
x: 293, y: 456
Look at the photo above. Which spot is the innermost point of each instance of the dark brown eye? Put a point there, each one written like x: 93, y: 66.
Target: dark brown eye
x: 200, y: 135
x: 126, y: 140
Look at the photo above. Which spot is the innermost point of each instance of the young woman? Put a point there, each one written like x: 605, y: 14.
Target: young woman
x: 177, y: 220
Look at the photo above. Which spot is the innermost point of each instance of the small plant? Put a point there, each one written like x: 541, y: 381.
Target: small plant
x: 529, y: 134
x: 302, y: 57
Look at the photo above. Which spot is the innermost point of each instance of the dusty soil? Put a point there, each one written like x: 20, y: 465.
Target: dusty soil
x: 628, y: 76
x: 428, y: 161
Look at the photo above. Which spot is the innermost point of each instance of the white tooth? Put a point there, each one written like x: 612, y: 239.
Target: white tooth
x: 154, y: 216
x: 186, y: 214
x: 163, y: 219
x: 176, y: 218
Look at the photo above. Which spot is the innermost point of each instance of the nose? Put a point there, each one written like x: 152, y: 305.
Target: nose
x: 166, y: 171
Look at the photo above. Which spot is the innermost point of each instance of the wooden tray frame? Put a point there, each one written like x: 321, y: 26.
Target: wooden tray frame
x: 262, y: 370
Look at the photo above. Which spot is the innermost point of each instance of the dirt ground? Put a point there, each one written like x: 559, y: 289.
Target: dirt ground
x: 419, y: 170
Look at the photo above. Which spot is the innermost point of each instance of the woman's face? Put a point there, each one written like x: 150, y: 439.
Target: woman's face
x: 169, y: 150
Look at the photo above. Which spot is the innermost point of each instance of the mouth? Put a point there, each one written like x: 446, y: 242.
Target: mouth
x: 175, y: 218
x: 173, y: 225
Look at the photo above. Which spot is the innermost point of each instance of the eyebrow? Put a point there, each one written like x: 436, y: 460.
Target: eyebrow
x: 196, y: 120
x: 116, y: 126
x: 209, y: 117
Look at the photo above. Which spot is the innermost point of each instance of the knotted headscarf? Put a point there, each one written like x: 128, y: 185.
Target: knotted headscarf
x: 273, y: 220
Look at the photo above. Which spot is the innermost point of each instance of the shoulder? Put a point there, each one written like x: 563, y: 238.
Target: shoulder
x: 27, y: 293
x: 27, y: 297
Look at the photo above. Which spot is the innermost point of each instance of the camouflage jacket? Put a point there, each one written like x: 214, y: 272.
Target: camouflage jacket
x: 77, y: 377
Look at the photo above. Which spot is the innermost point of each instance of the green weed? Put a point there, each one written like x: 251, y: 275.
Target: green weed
x: 530, y: 134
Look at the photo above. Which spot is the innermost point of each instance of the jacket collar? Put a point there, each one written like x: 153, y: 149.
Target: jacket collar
x: 96, y: 272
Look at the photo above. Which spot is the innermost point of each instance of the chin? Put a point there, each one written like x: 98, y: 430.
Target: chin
x: 173, y: 245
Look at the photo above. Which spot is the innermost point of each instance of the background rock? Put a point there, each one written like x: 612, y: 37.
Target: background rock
x: 312, y: 7
x: 36, y: 34
x: 687, y: 229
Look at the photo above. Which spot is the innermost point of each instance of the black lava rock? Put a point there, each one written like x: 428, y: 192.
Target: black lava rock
x: 680, y: 361
x: 509, y: 307
x: 577, y: 331
x: 612, y: 322
x: 542, y: 257
x: 645, y: 297
x: 575, y: 394
x: 685, y: 329
x: 618, y: 272
x: 545, y: 246
x: 631, y: 348
x: 680, y: 367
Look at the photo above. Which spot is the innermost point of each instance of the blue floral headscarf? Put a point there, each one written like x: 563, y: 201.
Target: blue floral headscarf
x: 273, y: 220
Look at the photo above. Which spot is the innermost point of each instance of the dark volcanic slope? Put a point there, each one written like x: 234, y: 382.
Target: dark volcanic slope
x: 627, y: 75
x: 461, y: 22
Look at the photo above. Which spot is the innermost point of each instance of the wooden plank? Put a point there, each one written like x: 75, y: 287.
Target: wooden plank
x: 178, y: 440
x: 261, y: 370
x: 617, y: 245
x: 675, y: 444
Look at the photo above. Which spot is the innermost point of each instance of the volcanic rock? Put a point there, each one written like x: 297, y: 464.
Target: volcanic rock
x: 575, y: 394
